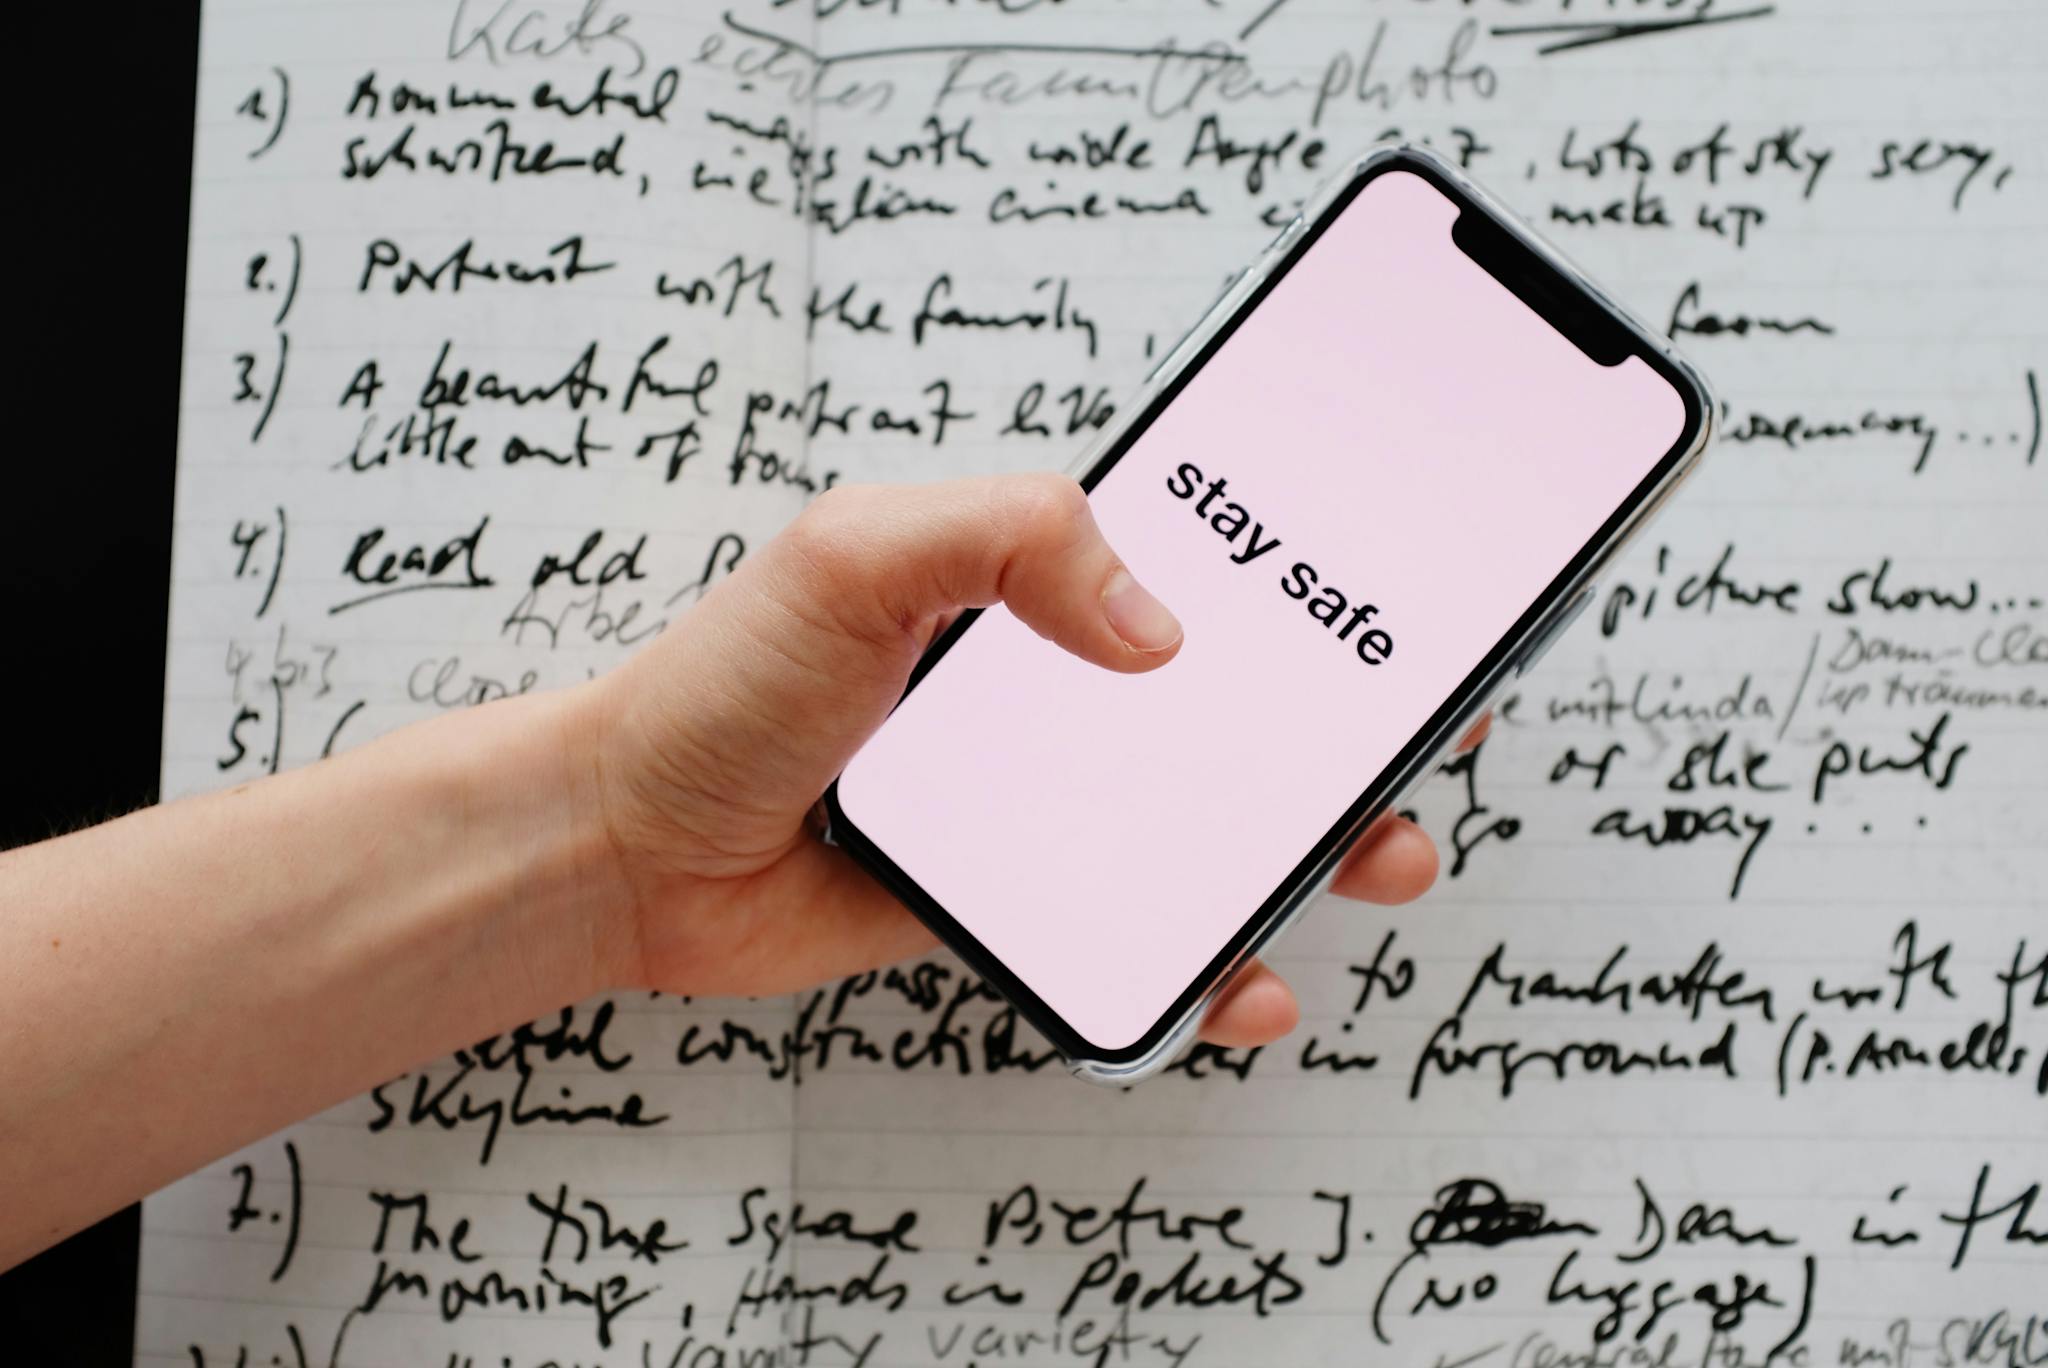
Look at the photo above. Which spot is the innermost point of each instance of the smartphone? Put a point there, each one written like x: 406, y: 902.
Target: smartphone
x: 1374, y: 483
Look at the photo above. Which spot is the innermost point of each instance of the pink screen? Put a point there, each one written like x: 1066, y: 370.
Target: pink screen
x: 1415, y: 437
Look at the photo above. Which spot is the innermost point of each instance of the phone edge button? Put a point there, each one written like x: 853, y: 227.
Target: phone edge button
x: 1194, y: 327
x: 1556, y: 628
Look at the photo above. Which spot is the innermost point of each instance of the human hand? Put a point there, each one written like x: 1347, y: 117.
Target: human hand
x: 711, y: 748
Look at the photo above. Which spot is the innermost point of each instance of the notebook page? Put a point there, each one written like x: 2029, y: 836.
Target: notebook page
x: 1721, y: 1040
x: 909, y: 1183
x: 479, y: 302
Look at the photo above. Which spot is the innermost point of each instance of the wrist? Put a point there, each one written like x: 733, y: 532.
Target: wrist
x: 530, y: 792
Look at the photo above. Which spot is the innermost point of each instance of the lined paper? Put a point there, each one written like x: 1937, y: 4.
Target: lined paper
x: 1722, y: 1038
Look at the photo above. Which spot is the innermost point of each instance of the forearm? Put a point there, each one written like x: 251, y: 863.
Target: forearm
x: 191, y: 977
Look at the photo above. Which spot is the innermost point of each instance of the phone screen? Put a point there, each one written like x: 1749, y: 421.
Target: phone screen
x: 1357, y: 496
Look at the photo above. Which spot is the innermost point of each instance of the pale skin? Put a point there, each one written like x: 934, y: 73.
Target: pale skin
x: 192, y: 977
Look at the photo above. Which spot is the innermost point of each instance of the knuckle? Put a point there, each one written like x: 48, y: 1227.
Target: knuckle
x: 829, y: 508
x: 1052, y: 509
x: 846, y: 586
x: 825, y: 532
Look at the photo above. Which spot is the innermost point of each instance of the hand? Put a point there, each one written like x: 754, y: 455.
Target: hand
x: 712, y: 746
x: 317, y: 931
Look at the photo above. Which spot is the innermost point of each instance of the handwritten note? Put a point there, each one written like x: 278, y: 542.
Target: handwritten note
x: 1724, y: 1039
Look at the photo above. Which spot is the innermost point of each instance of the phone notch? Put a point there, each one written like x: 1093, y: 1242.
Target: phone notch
x: 1540, y: 285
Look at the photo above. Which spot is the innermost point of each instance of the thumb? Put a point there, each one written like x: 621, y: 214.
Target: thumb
x: 886, y: 562
x: 734, y: 720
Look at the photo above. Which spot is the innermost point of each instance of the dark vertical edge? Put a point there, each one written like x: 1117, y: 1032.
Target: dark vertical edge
x: 99, y: 305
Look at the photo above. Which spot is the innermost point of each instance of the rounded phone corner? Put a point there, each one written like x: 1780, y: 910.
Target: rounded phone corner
x: 1396, y: 150
x: 1126, y: 1073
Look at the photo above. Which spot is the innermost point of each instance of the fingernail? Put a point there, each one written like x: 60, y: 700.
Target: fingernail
x: 1141, y: 620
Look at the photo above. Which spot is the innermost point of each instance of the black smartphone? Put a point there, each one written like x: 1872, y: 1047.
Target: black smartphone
x: 1374, y: 482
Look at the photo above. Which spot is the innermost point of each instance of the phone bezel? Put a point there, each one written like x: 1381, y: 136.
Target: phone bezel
x: 1552, y: 278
